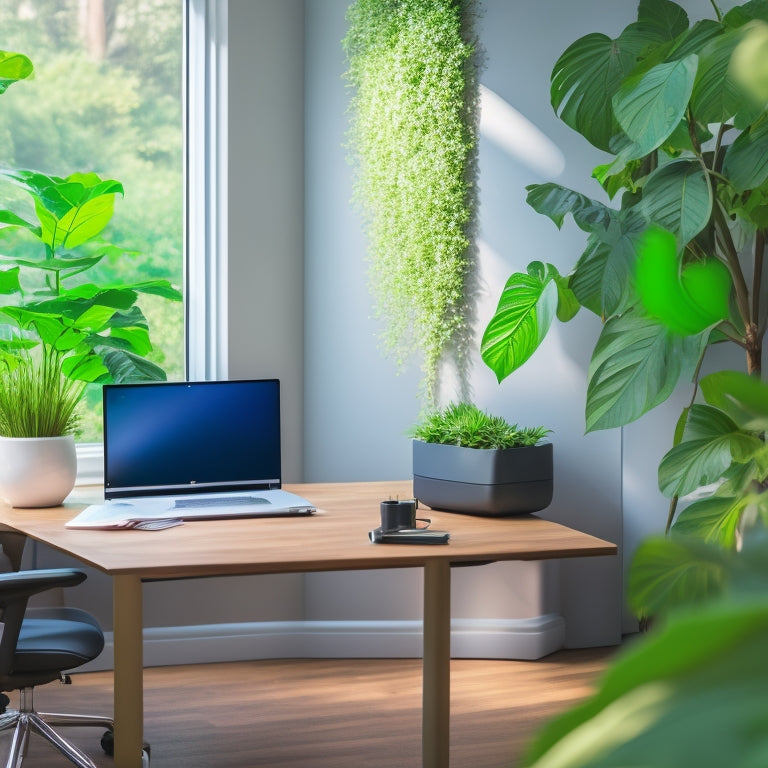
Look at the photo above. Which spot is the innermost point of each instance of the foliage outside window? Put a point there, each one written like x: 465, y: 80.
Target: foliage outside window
x: 413, y: 139
x: 106, y: 98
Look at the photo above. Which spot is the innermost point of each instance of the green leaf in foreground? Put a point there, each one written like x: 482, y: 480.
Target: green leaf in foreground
x: 691, y: 693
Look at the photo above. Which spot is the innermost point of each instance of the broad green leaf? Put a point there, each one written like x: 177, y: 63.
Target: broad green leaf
x: 78, y: 225
x: 695, y: 38
x: 650, y: 107
x: 738, y: 478
x: 714, y: 520
x: 129, y: 318
x: 72, y: 210
x: 746, y: 161
x: 583, y: 82
x: 56, y: 333
x: 525, y: 312
x: 749, y: 11
x: 59, y: 264
x: 86, y: 367
x: 136, y: 339
x: 677, y: 197
x: 711, y: 442
x: 124, y: 366
x: 691, y: 693
x: 662, y: 20
x: 555, y: 201
x: 744, y: 398
x: 567, y: 303
x: 10, y: 219
x: 602, y: 277
x: 635, y: 367
x: 95, y: 318
x: 13, y: 67
x: 688, y: 300
x: 667, y: 573
x: 717, y: 97
x: 9, y: 280
x: 163, y: 288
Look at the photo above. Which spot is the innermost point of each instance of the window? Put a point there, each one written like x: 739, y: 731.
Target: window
x: 116, y: 84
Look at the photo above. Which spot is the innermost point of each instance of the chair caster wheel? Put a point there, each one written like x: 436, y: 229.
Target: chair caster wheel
x: 108, y: 745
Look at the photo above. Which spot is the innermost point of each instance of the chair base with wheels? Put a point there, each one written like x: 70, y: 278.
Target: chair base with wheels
x: 26, y: 720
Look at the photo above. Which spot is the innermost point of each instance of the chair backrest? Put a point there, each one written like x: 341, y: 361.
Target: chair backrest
x: 15, y: 590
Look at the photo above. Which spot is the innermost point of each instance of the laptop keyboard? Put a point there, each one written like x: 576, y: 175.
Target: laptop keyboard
x: 218, y: 501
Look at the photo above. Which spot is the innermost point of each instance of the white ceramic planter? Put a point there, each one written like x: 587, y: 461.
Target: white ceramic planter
x: 37, y: 471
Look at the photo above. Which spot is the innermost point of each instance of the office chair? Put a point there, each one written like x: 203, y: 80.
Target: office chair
x: 38, y: 646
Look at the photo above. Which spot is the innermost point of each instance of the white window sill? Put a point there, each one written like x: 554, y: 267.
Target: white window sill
x: 90, y: 464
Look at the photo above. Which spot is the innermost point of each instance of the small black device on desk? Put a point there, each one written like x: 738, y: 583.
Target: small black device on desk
x: 409, y: 536
x: 399, y: 526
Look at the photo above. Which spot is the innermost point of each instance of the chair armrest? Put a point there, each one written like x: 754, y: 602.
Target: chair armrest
x: 24, y: 584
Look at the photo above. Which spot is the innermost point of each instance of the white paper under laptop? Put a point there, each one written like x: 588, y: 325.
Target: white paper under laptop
x: 191, y: 450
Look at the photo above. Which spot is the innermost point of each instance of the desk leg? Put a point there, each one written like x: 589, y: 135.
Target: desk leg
x: 128, y: 675
x: 437, y: 664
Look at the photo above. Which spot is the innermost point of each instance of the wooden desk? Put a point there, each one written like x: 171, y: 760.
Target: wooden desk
x: 335, y: 539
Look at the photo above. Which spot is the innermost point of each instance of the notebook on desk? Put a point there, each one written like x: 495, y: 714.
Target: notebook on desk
x: 191, y: 451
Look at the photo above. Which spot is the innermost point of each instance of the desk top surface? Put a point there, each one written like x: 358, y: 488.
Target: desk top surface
x: 336, y: 538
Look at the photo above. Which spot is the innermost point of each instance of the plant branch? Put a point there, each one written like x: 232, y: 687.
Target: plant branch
x: 732, y: 258
x: 671, y: 513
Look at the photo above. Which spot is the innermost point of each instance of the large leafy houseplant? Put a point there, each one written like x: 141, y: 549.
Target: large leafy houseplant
x: 413, y: 141
x: 682, y: 110
x: 57, y: 328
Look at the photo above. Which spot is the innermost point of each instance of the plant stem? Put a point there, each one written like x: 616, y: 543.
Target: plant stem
x: 740, y: 284
x: 671, y: 513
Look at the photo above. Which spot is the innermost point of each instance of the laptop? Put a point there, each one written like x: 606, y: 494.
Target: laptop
x: 176, y: 451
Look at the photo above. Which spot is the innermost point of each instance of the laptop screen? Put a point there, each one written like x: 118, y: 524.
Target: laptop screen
x: 177, y: 437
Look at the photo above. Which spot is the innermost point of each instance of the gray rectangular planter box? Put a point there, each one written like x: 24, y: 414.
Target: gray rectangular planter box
x: 481, y: 481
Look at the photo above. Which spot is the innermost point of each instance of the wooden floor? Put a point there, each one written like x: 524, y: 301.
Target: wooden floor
x: 357, y: 713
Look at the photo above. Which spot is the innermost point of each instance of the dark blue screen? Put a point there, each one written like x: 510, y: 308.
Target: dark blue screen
x: 190, y: 434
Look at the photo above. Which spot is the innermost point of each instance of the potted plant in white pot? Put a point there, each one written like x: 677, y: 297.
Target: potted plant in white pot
x: 38, y: 463
x: 466, y: 460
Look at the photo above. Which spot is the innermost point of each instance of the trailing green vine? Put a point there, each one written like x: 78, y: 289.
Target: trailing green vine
x: 413, y: 139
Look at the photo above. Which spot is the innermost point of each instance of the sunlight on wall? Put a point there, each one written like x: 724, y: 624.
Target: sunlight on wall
x: 505, y: 126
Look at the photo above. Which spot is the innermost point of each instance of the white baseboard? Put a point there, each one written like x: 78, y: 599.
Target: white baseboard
x: 529, y: 638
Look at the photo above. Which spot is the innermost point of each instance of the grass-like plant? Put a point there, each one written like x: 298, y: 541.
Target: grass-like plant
x: 413, y: 140
x: 36, y: 399
x: 466, y: 425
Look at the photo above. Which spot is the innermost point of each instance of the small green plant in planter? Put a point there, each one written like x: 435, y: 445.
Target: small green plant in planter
x: 466, y: 460
x: 38, y: 418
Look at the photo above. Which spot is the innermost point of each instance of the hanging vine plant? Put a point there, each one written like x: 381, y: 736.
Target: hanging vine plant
x: 413, y: 140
